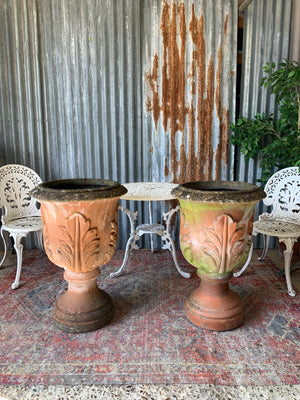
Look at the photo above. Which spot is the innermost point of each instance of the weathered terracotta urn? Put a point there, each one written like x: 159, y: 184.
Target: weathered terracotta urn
x: 80, y: 230
x: 215, y: 236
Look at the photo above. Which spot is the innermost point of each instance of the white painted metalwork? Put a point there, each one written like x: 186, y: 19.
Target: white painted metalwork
x: 283, y: 193
x: 149, y: 191
x: 21, y: 215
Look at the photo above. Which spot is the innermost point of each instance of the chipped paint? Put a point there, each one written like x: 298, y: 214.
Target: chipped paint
x: 185, y: 97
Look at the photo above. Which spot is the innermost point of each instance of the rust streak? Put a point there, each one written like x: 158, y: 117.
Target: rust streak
x: 166, y: 169
x: 217, y: 162
x: 208, y: 119
x: 226, y: 24
x: 173, y: 89
x: 173, y: 76
x: 183, y: 164
x: 218, y: 109
x: 148, y: 104
x: 190, y: 162
x: 165, y: 28
x: 182, y: 79
x: 225, y: 135
x: 155, y: 98
x: 194, y: 117
x: 152, y: 79
x: 218, y: 82
x: 196, y: 28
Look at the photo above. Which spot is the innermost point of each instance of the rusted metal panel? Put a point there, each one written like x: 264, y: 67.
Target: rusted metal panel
x: 190, y: 89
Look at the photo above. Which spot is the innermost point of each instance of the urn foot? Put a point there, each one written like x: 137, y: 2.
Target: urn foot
x: 83, y: 307
x: 213, y: 305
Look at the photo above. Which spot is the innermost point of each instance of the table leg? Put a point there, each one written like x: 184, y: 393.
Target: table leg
x: 169, y: 242
x: 131, y: 242
x: 151, y: 222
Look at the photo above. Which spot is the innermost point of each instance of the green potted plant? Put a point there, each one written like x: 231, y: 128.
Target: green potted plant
x: 275, y: 140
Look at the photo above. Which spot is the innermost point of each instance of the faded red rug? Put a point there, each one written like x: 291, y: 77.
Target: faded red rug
x: 149, y: 340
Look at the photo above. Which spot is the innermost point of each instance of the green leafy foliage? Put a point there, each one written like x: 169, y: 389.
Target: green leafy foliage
x: 276, y: 141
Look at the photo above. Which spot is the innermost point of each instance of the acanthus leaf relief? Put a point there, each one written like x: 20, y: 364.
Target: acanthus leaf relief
x: 224, y: 243
x: 113, y: 238
x: 79, y: 245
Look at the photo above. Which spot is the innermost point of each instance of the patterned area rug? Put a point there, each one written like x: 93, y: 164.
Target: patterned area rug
x: 149, y: 340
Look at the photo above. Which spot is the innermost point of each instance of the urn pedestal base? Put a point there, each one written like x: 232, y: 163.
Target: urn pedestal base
x: 83, y: 307
x: 213, y: 305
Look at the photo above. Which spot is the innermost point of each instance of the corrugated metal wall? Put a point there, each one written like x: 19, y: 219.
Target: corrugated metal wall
x: 127, y: 90
x: 266, y: 37
x: 132, y: 90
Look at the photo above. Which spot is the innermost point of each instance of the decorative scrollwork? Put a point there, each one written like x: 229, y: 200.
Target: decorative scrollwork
x: 16, y: 192
x: 16, y: 181
x: 283, y: 193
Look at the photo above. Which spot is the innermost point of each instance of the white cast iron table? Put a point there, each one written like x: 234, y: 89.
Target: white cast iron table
x: 149, y: 191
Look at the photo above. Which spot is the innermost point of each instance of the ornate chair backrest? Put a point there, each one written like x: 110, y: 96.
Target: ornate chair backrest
x: 283, y: 193
x: 16, y: 181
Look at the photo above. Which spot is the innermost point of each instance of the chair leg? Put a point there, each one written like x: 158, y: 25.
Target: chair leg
x: 288, y: 252
x: 19, y: 250
x: 39, y: 235
x: 5, y: 246
x: 266, y: 247
x: 245, y: 266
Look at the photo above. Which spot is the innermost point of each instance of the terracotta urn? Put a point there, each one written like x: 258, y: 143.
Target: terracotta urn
x: 216, y: 219
x: 80, y: 231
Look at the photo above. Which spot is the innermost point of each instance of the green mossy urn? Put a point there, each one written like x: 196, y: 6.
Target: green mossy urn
x: 216, y: 224
x: 216, y: 220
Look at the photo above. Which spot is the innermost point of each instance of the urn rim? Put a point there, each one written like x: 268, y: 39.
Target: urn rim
x: 83, y: 189
x: 218, y: 192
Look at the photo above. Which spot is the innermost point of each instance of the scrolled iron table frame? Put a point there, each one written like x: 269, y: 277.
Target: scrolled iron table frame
x: 149, y: 191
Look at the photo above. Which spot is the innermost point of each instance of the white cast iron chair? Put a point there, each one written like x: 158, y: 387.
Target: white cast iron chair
x: 283, y: 193
x: 20, y: 215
